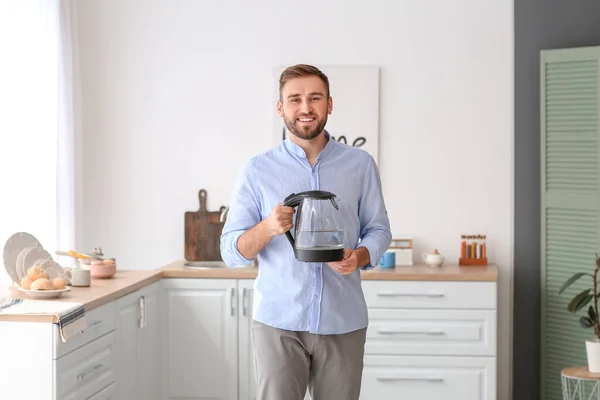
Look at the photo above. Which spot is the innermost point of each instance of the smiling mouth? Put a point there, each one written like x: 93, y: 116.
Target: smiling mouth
x: 306, y: 120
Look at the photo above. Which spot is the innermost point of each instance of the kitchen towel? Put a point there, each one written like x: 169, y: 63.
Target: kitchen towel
x: 70, y: 315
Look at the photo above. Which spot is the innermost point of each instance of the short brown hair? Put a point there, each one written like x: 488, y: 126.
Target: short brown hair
x: 299, y: 70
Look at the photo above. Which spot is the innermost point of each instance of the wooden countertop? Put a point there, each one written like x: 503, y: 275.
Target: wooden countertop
x: 178, y: 270
x: 487, y: 273
x: 414, y: 273
x: 124, y: 282
x: 100, y: 292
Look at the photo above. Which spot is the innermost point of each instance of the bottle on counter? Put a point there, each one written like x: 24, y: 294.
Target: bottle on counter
x: 468, y: 239
x: 483, y: 246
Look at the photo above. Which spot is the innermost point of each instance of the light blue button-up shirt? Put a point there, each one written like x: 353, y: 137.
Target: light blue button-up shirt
x: 294, y: 295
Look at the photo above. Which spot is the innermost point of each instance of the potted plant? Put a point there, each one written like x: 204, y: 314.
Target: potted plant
x: 590, y: 319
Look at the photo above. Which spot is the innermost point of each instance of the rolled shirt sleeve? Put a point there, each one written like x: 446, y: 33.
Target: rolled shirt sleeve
x: 375, y: 233
x: 243, y: 214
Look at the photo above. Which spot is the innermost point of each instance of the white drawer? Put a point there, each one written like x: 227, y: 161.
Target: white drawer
x: 428, y: 378
x: 431, y: 332
x: 108, y: 393
x: 99, y: 322
x: 86, y: 370
x: 420, y: 294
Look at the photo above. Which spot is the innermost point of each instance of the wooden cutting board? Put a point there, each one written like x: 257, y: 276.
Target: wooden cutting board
x: 203, y: 232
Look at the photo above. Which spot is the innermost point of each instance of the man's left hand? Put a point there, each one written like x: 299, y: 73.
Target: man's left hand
x: 350, y: 262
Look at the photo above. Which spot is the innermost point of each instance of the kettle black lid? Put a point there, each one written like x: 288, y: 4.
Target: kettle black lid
x: 311, y: 194
x: 295, y: 199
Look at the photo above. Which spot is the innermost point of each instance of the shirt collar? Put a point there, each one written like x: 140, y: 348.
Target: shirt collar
x: 297, y: 150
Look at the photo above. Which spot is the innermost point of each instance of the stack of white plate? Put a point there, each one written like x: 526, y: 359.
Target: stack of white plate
x: 22, y: 251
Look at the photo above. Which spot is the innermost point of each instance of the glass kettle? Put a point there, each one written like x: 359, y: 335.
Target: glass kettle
x: 318, y: 234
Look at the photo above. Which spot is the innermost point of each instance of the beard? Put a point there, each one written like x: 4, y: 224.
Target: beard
x: 305, y: 132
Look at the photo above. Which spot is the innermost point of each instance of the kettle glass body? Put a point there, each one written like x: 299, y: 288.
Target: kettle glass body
x: 317, y: 226
x: 318, y: 233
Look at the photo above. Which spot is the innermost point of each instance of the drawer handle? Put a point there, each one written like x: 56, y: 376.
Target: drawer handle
x: 412, y: 378
x: 232, y: 299
x: 142, y: 305
x: 399, y: 294
x: 244, y: 295
x: 92, y: 326
x: 90, y: 372
x: 397, y: 332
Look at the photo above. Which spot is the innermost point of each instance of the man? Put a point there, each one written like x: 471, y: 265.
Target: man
x: 309, y: 319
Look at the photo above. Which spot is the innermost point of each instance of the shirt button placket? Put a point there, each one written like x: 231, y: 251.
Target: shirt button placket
x: 318, y: 277
x: 314, y: 177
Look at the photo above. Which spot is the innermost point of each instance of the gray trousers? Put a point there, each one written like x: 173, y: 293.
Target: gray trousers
x: 288, y: 362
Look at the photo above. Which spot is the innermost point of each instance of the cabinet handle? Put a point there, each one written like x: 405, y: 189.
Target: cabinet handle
x: 231, y: 300
x: 142, y: 303
x: 399, y: 294
x: 90, y: 372
x: 244, y: 301
x: 92, y: 326
x: 394, y: 332
x: 411, y: 378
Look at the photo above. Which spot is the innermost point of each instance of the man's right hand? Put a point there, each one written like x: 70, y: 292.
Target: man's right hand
x: 280, y: 220
x: 251, y: 242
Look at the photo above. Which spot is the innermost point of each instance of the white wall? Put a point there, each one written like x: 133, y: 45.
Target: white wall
x: 177, y: 95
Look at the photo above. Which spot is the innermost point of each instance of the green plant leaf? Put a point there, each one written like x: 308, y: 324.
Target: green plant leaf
x: 585, y: 322
x: 580, y: 301
x: 592, y: 314
x: 572, y: 280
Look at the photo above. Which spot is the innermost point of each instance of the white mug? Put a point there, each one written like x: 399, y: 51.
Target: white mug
x: 79, y: 276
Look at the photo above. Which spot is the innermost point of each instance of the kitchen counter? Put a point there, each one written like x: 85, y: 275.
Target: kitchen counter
x: 99, y: 293
x: 487, y: 273
x: 124, y: 282
x: 177, y: 269
x: 413, y: 273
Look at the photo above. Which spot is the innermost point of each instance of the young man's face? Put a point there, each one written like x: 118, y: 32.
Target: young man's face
x: 304, y: 106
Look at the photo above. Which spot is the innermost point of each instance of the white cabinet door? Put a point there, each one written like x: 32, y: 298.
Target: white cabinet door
x: 148, y: 345
x: 431, y: 332
x: 200, y: 339
x: 108, y: 393
x: 430, y: 294
x: 247, y: 379
x: 138, y: 345
x: 428, y: 378
x: 87, y: 370
x: 126, y: 346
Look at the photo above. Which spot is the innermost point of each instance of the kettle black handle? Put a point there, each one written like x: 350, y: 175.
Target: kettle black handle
x: 290, y: 238
x: 292, y: 200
